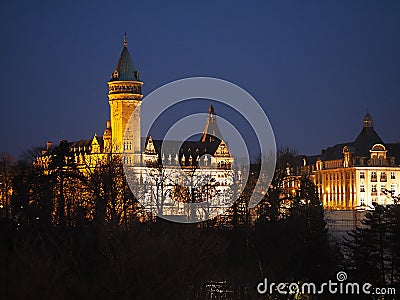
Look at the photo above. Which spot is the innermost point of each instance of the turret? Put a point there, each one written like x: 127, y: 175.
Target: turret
x: 124, y: 96
x: 107, y: 136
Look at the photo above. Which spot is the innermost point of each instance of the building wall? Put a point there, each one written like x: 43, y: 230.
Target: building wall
x: 370, y: 186
x: 356, y: 187
x: 336, y: 187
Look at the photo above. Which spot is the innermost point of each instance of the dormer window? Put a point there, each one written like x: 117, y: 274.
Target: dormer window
x: 378, y: 152
x: 115, y: 74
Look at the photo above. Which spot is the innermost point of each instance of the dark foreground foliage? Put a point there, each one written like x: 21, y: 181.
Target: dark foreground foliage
x: 157, y: 260
x: 68, y: 236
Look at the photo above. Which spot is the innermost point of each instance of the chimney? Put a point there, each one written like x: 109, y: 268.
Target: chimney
x: 48, y: 146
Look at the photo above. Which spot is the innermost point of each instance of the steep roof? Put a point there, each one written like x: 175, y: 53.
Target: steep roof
x: 211, y: 131
x: 360, y: 146
x: 208, y: 143
x: 393, y: 151
x: 187, y: 148
x: 124, y: 70
x: 334, y: 152
x: 365, y: 140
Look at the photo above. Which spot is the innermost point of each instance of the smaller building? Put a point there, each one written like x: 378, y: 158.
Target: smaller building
x: 353, y: 175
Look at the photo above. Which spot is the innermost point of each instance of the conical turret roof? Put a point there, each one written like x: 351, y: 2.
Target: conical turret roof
x: 125, y: 69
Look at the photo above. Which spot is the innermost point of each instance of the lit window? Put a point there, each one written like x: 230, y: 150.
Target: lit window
x: 383, y: 176
x: 373, y: 188
x: 373, y: 176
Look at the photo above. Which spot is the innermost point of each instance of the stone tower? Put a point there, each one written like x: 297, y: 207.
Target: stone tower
x: 124, y: 96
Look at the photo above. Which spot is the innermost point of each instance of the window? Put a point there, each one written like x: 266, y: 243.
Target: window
x: 392, y: 175
x: 362, y: 203
x: 362, y: 175
x: 373, y: 189
x: 127, y: 145
x: 383, y: 187
x: 373, y: 176
x: 383, y: 176
x: 362, y: 188
x: 393, y: 187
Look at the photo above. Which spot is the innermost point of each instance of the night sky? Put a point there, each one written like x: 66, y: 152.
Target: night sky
x: 314, y: 66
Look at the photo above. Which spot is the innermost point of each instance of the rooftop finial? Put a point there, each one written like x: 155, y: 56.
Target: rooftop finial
x: 125, y: 42
x: 211, y: 109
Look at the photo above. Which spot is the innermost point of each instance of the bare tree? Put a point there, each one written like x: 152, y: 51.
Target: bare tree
x: 112, y: 200
x: 159, y: 182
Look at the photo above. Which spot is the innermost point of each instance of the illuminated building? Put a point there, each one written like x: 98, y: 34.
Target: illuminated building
x: 122, y: 138
x: 353, y: 175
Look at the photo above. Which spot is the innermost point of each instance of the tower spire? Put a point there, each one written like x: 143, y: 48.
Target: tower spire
x: 211, y: 131
x: 125, y: 42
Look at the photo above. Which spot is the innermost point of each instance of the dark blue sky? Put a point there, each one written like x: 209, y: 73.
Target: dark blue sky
x: 314, y: 66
